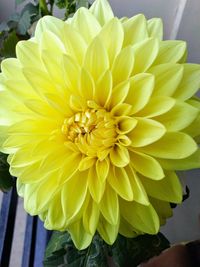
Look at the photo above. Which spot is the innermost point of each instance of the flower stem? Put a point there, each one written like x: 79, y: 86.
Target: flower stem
x: 43, y: 7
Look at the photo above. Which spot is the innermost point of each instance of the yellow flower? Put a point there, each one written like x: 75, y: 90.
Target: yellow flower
x: 97, y: 113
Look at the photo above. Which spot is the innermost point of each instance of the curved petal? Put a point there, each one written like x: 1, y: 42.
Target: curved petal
x: 112, y: 31
x: 80, y: 237
x: 91, y: 217
x: 109, y: 206
x: 119, y: 181
x: 49, y: 23
x: 90, y: 28
x: 102, y: 10
x: 145, y: 53
x: 135, y: 30
x: 123, y: 65
x: 167, y: 78
x: 173, y: 145
x: 119, y: 156
x: 119, y: 93
x: 141, y: 88
x: 142, y: 218
x: 139, y: 193
x: 155, y: 28
x: 179, y: 117
x: 170, y: 51
x: 108, y: 231
x: 190, y: 82
x: 146, y: 132
x: 96, y: 59
x: 157, y: 106
x: 95, y: 185
x: 168, y: 189
x: 72, y: 203
x: 191, y: 162
x: 146, y: 165
x: 103, y: 88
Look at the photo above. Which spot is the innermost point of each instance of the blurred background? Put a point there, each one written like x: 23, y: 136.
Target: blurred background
x: 181, y: 21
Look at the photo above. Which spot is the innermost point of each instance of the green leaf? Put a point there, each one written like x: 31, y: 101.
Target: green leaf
x: 24, y: 23
x: 4, y: 27
x: 8, y: 45
x: 33, y: 10
x: 62, y: 252
x: 129, y: 252
x: 6, y: 180
x: 82, y: 3
x: 18, y: 2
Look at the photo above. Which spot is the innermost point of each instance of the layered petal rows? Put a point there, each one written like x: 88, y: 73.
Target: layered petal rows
x: 97, y: 114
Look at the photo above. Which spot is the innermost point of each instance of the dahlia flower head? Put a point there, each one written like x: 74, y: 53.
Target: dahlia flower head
x: 97, y: 114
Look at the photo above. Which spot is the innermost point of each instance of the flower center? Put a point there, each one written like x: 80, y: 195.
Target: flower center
x: 93, y: 131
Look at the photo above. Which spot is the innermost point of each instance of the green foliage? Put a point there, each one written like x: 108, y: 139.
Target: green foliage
x: 9, y: 42
x: 6, y: 180
x: 61, y: 252
x: 18, y: 2
x: 24, y: 23
x: 125, y: 252
x: 129, y: 252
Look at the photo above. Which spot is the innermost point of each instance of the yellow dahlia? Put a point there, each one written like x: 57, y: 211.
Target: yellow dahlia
x: 97, y: 113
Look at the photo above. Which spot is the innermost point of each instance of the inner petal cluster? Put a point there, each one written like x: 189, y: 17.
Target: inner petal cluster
x: 92, y: 131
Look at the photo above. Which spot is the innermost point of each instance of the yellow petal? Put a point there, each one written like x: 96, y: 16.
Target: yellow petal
x: 28, y: 54
x: 143, y: 218
x: 119, y: 156
x: 145, y: 53
x: 91, y: 217
x: 108, y: 231
x: 123, y: 65
x: 146, y: 132
x: 156, y: 106
x: 96, y: 186
x: 139, y: 193
x: 168, y: 189
x: 86, y: 163
x: 141, y: 88
x: 127, y: 229
x: 162, y: 208
x: 11, y: 67
x: 179, y: 117
x: 122, y: 109
x: 52, y: 63
x: 96, y: 59
x: 171, y: 51
x: 49, y: 23
x: 119, y: 181
x: 86, y: 85
x: 80, y: 237
x: 112, y: 31
x: 90, y: 28
x: 119, y: 93
x: 74, y: 43
x: 103, y: 89
x: 109, y: 206
x: 190, y: 82
x: 191, y: 162
x: 55, y: 218
x: 50, y: 42
x: 102, y: 10
x: 167, y: 78
x: 155, y: 28
x: 135, y: 30
x: 125, y: 124
x: 72, y: 203
x: 173, y: 145
x: 102, y: 169
x: 146, y: 165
